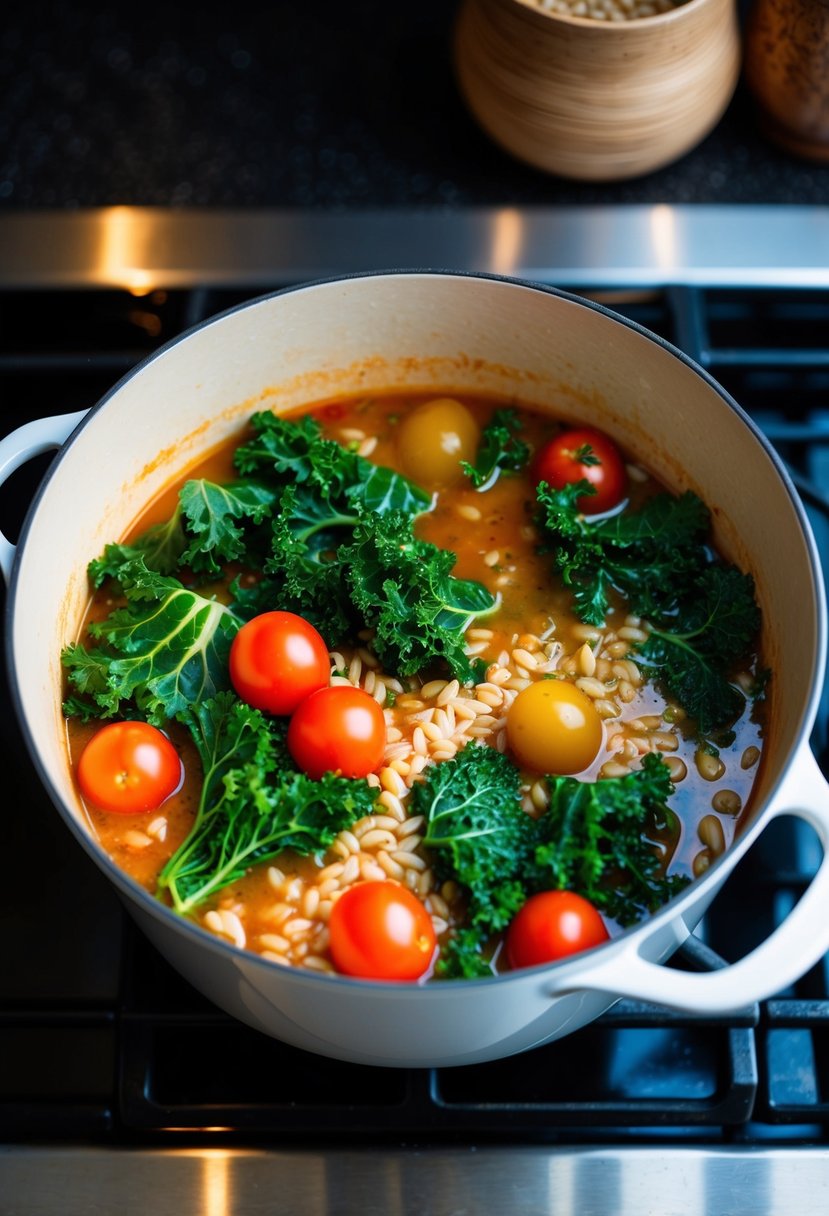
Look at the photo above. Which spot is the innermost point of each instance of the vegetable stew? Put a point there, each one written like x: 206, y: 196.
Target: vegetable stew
x: 408, y: 687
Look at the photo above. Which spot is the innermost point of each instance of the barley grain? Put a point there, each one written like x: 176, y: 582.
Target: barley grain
x: 710, y: 832
x: 677, y: 768
x: 297, y: 925
x: 727, y: 802
x: 664, y: 741
x: 134, y: 839
x: 392, y: 868
x: 586, y: 659
x: 749, y: 757
x: 467, y: 511
x: 709, y: 767
x: 448, y: 693
x: 612, y: 768
x: 274, y: 942
x: 226, y: 924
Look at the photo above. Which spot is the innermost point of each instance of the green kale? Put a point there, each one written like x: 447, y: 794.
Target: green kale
x: 205, y: 530
x: 483, y: 840
x: 403, y: 589
x: 296, y: 579
x: 214, y: 515
x: 691, y: 651
x: 701, y: 613
x: 640, y: 553
x: 252, y: 805
x: 376, y: 576
x: 297, y: 453
x: 595, y: 840
x: 499, y: 449
x: 324, y: 533
x: 213, y: 524
x: 167, y: 648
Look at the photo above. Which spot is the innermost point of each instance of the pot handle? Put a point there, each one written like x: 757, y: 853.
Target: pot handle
x: 794, y: 946
x: 29, y: 440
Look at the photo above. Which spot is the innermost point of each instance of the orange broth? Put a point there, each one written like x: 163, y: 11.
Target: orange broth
x: 492, y: 534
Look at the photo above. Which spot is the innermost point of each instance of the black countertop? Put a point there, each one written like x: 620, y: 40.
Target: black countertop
x: 297, y: 103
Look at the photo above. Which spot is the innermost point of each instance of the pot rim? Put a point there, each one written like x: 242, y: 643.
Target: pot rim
x: 670, y: 911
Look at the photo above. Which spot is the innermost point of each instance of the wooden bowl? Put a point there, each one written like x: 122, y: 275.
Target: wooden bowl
x: 596, y: 100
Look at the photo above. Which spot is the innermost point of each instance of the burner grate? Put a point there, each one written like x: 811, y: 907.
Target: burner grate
x: 635, y: 1067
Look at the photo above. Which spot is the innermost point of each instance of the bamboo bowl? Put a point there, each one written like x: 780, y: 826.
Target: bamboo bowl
x: 596, y: 100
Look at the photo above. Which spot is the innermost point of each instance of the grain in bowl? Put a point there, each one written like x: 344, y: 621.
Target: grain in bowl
x: 608, y: 10
x: 559, y: 710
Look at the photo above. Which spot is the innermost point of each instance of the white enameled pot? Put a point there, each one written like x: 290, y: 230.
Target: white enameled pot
x: 444, y: 332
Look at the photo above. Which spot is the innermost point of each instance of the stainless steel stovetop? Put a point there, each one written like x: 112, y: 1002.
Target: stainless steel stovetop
x: 121, y: 1089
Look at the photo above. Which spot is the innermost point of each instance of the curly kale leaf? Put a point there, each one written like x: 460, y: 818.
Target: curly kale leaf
x: 403, y: 589
x: 380, y: 577
x: 297, y: 453
x: 701, y: 612
x: 640, y: 553
x: 214, y: 524
x: 481, y: 838
x: 690, y: 652
x: 298, y: 580
x: 500, y: 449
x: 164, y: 650
x: 596, y: 840
x: 211, y: 524
x: 252, y: 804
x: 215, y: 515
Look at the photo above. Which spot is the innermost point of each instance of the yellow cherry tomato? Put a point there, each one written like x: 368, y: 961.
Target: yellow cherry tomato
x: 433, y: 440
x: 552, y: 727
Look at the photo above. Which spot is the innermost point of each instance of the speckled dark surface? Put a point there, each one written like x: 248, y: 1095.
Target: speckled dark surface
x: 297, y: 103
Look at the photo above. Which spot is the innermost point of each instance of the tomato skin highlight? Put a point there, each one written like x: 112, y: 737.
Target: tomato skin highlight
x: 381, y: 931
x: 277, y: 659
x: 559, y: 464
x: 339, y: 729
x: 553, y: 925
x: 129, y: 768
x: 553, y: 727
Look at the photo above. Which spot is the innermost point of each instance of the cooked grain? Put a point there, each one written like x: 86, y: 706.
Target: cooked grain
x: 677, y: 768
x: 727, y: 802
x: 710, y: 832
x: 135, y: 839
x: 709, y: 767
x: 467, y: 511
x: 750, y: 757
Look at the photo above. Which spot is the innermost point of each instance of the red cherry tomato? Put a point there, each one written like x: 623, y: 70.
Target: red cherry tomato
x: 339, y: 729
x: 381, y: 931
x: 129, y: 767
x: 584, y: 454
x: 552, y: 925
x: 278, y: 659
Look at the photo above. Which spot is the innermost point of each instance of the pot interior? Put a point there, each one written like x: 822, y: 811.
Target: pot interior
x: 427, y: 331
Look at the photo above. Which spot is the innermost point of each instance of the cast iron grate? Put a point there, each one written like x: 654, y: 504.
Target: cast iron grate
x: 100, y: 1040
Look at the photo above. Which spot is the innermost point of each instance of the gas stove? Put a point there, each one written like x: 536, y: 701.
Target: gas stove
x: 121, y: 1085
